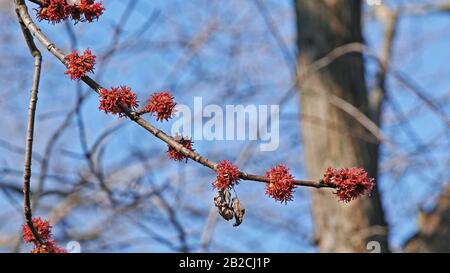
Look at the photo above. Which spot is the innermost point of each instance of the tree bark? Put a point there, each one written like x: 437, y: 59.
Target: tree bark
x: 434, y: 228
x: 330, y: 136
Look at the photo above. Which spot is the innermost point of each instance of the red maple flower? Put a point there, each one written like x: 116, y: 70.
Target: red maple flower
x: 55, y: 12
x: 350, y: 183
x: 78, y: 66
x: 86, y: 11
x: 162, y: 104
x: 43, y: 228
x: 113, y: 98
x: 174, y: 154
x: 280, y: 186
x: 228, y: 175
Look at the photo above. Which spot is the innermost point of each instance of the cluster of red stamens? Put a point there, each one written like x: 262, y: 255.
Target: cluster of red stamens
x: 280, y: 186
x: 350, y: 183
x: 44, y: 230
x: 228, y: 175
x: 112, y: 100
x: 172, y: 153
x: 78, y: 66
x: 162, y: 105
x: 56, y: 11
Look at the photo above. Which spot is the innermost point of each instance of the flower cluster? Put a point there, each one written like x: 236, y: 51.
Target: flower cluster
x: 112, y: 99
x: 228, y: 175
x: 78, y: 66
x: 280, y: 186
x: 44, y: 229
x: 162, y: 104
x: 350, y: 183
x: 86, y: 10
x: 174, y: 154
x: 56, y: 11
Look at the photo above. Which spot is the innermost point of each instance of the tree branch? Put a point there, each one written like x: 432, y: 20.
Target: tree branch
x: 135, y: 116
x: 30, y: 129
x: 42, y: 3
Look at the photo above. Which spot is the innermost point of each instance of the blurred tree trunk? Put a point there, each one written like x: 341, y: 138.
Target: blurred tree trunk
x: 434, y: 228
x: 331, y: 137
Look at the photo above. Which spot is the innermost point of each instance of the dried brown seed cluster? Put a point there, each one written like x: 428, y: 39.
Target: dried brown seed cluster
x: 229, y: 208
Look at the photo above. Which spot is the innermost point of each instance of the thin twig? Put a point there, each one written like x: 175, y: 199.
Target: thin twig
x: 42, y: 3
x: 30, y: 130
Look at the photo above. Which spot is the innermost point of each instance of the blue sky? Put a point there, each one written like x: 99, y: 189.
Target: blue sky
x: 239, y: 62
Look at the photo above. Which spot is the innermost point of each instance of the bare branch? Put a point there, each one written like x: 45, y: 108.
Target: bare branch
x: 30, y: 130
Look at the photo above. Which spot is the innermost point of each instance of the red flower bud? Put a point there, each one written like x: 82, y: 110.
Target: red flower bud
x: 177, y: 156
x: 228, y: 175
x: 55, y: 12
x: 111, y: 99
x: 350, y: 183
x: 44, y: 229
x: 280, y: 186
x: 78, y: 66
x: 162, y: 104
x: 87, y: 11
